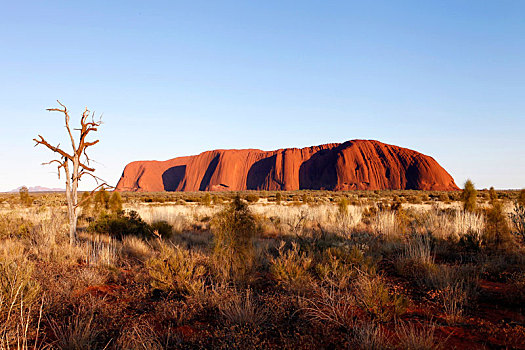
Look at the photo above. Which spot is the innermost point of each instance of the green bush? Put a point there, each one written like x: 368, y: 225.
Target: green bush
x: 233, y: 231
x: 278, y: 197
x: 342, y: 206
x: 120, y: 225
x: 115, y: 202
x: 444, y: 198
x: 162, y: 229
x: 206, y: 199
x: 101, y: 201
x: 497, y: 231
x: 252, y: 198
x: 492, y: 194
x: 469, y: 196
x: 25, y: 199
x: 306, y: 198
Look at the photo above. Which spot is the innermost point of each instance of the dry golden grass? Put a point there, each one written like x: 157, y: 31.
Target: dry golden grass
x: 320, y: 273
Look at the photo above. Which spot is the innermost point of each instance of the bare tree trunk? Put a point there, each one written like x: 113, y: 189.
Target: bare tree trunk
x: 79, y: 168
x: 74, y: 201
x: 70, y: 206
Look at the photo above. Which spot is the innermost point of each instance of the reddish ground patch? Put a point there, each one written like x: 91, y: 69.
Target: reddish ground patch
x: 101, y: 291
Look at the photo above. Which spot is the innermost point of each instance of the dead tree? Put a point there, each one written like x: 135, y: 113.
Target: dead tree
x: 74, y: 164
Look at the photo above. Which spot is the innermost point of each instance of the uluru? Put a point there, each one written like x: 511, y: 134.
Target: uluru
x: 352, y: 165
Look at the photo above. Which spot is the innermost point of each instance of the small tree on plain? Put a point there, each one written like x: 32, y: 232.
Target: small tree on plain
x: 469, y: 196
x: 493, y: 195
x: 74, y: 164
x: 25, y: 199
x: 115, y: 202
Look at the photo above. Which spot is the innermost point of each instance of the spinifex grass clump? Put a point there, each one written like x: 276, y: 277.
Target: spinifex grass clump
x: 233, y: 231
x: 177, y: 270
x: 291, y: 269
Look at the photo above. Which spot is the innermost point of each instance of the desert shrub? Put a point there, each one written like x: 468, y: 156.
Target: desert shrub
x: 385, y: 223
x: 115, y: 202
x: 15, y: 227
x: 468, y: 227
x: 497, y: 232
x: 25, y: 198
x: 414, y: 199
x: 370, y: 336
x: 342, y: 206
x: 77, y: 332
x: 518, y: 220
x: 162, y: 229
x: 331, y: 307
x: 142, y: 335
x: 376, y: 299
x: 19, y: 293
x: 471, y: 241
x: 493, y: 196
x: 306, y: 199
x: 101, y: 200
x: 216, y: 199
x: 17, y: 285
x: 234, y: 229
x: 136, y: 248
x: 339, y: 266
x: 86, y: 203
x: 455, y: 287
x: 243, y: 310
x: 416, y: 337
x: 417, y: 257
x: 291, y: 268
x: 206, y: 199
x: 252, y: 198
x: 177, y: 270
x: 119, y: 225
x: 278, y: 197
x: 333, y: 271
x: 443, y: 197
x: 468, y: 196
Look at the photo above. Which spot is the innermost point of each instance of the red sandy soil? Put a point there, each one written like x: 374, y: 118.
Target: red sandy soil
x: 352, y: 165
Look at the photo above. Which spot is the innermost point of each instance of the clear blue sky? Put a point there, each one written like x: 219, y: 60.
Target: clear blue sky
x: 446, y: 78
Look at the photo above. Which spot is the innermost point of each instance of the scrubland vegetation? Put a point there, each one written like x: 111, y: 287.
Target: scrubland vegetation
x: 269, y: 270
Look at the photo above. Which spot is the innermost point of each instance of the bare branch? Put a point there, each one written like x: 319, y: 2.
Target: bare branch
x: 42, y: 141
x: 87, y: 173
x: 66, y: 116
x: 61, y: 165
x: 89, y: 144
x: 86, y: 167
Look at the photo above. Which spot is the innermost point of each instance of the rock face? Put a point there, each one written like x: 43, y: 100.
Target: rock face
x: 352, y: 165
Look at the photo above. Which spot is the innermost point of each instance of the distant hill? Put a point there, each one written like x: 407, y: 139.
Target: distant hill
x: 39, y: 189
x: 352, y: 165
